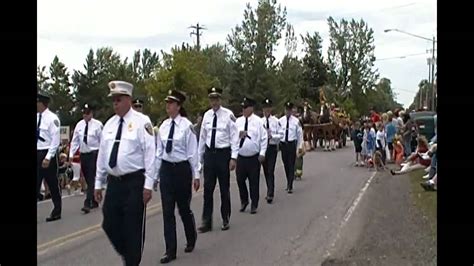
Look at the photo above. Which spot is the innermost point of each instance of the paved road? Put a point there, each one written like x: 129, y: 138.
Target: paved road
x: 297, y: 229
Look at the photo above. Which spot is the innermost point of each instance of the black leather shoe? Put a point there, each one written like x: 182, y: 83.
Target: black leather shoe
x: 53, y: 218
x: 86, y: 209
x: 225, y: 226
x: 189, y: 248
x: 204, y: 228
x: 290, y: 191
x: 269, y: 199
x: 243, y: 207
x: 253, y: 210
x: 167, y: 258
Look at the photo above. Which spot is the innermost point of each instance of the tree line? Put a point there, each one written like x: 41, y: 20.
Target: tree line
x: 244, y: 65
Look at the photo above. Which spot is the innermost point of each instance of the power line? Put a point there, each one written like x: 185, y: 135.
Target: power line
x: 400, y: 57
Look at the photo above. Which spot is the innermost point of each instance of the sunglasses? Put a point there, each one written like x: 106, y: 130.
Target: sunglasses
x: 138, y: 106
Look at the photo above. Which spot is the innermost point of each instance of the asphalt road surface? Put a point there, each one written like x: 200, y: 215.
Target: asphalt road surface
x: 297, y: 229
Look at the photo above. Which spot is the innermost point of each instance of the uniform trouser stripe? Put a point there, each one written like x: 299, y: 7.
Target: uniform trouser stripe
x: 125, y: 216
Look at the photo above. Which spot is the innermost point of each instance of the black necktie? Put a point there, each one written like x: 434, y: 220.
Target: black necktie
x: 38, y: 128
x: 114, y: 154
x: 245, y: 129
x: 287, y: 128
x: 169, y: 143
x: 85, y: 132
x: 268, y: 123
x: 213, y: 135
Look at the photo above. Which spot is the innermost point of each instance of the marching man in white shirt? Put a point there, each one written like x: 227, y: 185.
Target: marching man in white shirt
x: 292, y: 139
x: 272, y: 125
x: 47, y: 144
x: 218, y: 148
x: 86, y: 138
x: 252, y: 149
x: 126, y: 161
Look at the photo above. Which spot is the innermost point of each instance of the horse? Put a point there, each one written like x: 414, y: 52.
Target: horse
x: 308, y: 119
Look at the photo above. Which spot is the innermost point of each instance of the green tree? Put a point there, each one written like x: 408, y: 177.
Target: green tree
x: 62, y: 102
x: 289, y: 77
x: 218, y: 64
x: 91, y: 85
x: 183, y: 69
x: 315, y: 71
x: 253, y: 44
x: 381, y: 97
x: 42, y: 78
x: 351, y: 60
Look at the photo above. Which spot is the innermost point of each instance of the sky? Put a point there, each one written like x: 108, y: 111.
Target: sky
x: 69, y: 28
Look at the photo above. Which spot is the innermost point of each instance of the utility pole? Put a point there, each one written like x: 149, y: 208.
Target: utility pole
x: 433, y: 62
x: 427, y: 85
x: 198, y: 34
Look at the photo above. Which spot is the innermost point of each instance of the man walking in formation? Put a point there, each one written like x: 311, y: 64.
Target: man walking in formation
x: 127, y: 160
x: 272, y: 126
x: 86, y: 138
x: 47, y: 145
x: 292, y: 138
x: 252, y: 149
x: 218, y: 148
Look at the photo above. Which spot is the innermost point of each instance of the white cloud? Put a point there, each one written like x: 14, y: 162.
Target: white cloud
x: 70, y: 28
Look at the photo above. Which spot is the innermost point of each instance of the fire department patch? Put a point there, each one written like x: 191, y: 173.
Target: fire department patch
x: 191, y: 127
x: 149, y: 128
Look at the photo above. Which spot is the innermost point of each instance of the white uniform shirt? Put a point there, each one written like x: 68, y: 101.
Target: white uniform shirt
x: 256, y: 140
x: 49, y: 132
x: 94, y: 132
x: 184, y: 145
x: 295, y: 132
x: 274, y: 130
x: 226, y: 132
x: 136, y: 149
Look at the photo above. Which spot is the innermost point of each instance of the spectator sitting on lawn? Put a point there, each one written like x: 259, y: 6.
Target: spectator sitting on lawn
x: 416, y: 160
x: 430, y: 185
x: 434, y: 162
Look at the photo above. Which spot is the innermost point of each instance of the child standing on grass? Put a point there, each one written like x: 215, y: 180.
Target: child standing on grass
x: 357, y: 137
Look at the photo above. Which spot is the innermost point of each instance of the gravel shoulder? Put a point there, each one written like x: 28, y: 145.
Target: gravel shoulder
x: 394, y: 224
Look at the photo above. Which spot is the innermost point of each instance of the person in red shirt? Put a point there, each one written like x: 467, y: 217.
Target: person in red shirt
x: 416, y: 160
x: 374, y: 116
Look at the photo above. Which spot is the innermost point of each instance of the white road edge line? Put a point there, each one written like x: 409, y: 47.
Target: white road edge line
x: 349, y: 213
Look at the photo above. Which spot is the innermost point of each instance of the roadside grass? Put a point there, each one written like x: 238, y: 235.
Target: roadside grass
x: 426, y: 201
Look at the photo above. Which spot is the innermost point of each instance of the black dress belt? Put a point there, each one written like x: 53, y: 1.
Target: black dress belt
x: 182, y: 163
x: 126, y: 176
